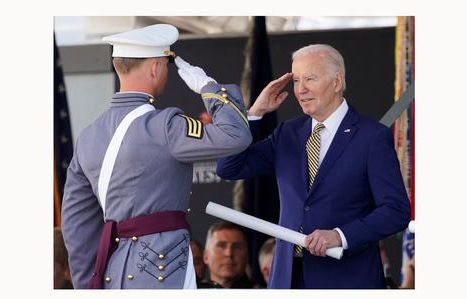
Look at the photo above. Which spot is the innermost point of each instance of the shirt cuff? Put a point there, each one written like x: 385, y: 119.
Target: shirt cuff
x: 343, y: 239
x: 254, y: 117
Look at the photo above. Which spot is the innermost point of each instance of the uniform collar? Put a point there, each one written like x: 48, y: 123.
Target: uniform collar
x: 130, y: 98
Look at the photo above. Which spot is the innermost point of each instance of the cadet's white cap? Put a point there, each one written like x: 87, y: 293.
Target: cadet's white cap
x: 150, y: 41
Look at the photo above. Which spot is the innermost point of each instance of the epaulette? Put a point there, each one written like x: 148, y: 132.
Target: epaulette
x: 224, y: 98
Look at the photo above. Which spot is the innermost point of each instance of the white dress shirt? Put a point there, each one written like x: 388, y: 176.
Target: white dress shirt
x: 331, y: 124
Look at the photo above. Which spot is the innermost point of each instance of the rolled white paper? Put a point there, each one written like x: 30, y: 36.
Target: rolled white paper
x: 412, y: 226
x: 265, y: 227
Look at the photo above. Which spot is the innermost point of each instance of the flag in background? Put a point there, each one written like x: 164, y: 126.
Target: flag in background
x: 404, y: 127
x: 260, y: 195
x: 63, y: 142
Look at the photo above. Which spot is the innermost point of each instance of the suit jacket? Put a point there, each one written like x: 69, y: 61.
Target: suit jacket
x: 358, y: 188
x: 153, y: 172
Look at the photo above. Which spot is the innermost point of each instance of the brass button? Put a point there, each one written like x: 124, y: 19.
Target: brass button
x: 108, y: 279
x: 161, y: 267
x: 134, y: 238
x: 117, y: 240
x: 130, y: 277
x: 161, y: 256
x: 160, y: 278
x: 224, y: 95
x: 223, y: 89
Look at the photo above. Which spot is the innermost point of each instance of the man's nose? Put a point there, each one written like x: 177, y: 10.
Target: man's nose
x: 228, y: 251
x: 301, y: 87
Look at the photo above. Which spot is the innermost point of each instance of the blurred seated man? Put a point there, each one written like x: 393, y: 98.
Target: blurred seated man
x: 200, y: 267
x: 226, y: 256
x: 408, y: 275
x: 266, y: 253
x: 390, y: 283
x: 62, y: 278
x: 408, y: 261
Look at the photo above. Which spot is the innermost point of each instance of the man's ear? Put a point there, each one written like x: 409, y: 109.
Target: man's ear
x: 205, y: 257
x: 338, y: 82
x: 66, y: 274
x: 265, y: 271
x: 154, y: 68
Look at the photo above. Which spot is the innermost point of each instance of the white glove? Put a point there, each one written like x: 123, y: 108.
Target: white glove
x: 193, y: 76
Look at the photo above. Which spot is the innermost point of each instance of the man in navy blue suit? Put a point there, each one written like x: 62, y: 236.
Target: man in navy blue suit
x: 338, y: 176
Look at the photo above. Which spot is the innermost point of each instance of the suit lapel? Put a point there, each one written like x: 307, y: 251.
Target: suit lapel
x: 303, y: 134
x: 344, y: 134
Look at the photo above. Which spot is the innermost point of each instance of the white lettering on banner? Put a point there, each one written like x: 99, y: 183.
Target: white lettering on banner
x: 205, y: 173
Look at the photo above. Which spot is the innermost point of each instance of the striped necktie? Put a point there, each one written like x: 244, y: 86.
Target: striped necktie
x: 312, y: 152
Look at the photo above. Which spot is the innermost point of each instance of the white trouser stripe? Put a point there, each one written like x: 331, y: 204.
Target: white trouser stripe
x: 190, y: 277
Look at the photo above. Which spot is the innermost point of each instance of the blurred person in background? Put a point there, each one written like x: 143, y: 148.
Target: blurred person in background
x: 62, y: 278
x: 226, y: 256
x: 265, y: 256
x: 200, y: 267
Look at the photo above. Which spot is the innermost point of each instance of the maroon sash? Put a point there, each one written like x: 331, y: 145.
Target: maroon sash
x: 139, y: 226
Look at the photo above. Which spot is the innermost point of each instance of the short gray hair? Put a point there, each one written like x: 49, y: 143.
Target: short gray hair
x: 266, y: 249
x: 223, y: 225
x: 332, y: 56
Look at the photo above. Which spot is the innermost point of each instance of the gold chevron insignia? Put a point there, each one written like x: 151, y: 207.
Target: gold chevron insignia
x: 194, y: 127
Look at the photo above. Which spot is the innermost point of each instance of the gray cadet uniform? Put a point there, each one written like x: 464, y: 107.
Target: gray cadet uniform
x: 153, y: 172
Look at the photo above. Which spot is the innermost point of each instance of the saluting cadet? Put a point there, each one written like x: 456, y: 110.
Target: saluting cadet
x: 128, y: 184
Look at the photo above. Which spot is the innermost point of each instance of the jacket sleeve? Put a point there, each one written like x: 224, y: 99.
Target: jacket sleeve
x: 392, y: 208
x: 82, y: 222
x: 190, y: 140
x: 257, y: 159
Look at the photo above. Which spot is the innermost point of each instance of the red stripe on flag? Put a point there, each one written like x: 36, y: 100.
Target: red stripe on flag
x: 412, y: 163
x: 412, y: 154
